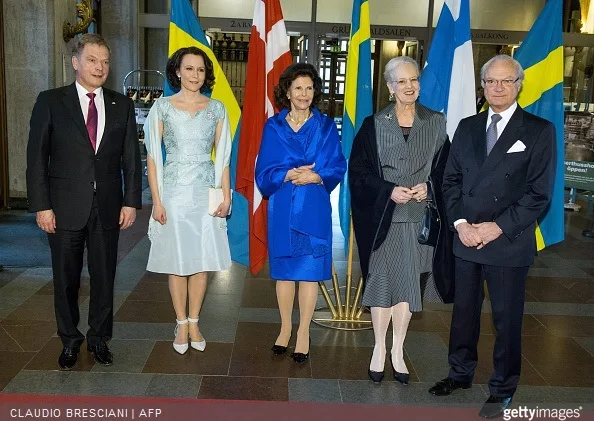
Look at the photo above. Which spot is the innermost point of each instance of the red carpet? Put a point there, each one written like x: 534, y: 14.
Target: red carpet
x: 44, y: 407
x: 14, y: 406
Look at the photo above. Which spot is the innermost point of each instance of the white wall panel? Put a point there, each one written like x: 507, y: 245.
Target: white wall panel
x: 502, y: 15
x: 381, y: 12
x: 294, y: 10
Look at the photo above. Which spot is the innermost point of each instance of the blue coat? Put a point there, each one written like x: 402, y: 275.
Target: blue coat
x: 299, y: 217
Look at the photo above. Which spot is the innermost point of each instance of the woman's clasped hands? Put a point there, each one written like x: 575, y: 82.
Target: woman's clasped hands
x: 402, y: 195
x: 303, y: 175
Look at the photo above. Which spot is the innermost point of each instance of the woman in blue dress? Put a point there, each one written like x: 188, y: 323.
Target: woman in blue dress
x: 299, y: 164
x: 187, y: 241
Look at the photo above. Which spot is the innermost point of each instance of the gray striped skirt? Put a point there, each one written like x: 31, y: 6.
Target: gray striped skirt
x: 400, y: 270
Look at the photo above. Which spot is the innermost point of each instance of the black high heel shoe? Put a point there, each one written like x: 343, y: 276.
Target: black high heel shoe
x: 401, y: 377
x: 278, y: 349
x: 300, y: 357
x: 375, y: 376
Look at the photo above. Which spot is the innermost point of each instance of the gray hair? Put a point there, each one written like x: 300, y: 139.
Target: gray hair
x: 80, y: 43
x: 393, y: 64
x: 507, y: 59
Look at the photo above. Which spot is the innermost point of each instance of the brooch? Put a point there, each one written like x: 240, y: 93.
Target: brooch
x: 389, y: 116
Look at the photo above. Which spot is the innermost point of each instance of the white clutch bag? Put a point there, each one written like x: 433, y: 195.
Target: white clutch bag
x: 215, y: 198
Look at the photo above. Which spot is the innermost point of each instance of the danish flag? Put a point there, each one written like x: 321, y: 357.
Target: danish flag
x: 269, y: 55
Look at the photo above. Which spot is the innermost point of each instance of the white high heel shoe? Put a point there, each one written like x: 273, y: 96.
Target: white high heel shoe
x: 180, y: 348
x: 199, y: 345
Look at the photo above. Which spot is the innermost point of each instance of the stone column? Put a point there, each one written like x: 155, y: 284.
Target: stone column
x: 33, y: 63
x: 119, y: 26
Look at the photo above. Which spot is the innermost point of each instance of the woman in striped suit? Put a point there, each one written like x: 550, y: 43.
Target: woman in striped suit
x: 390, y: 164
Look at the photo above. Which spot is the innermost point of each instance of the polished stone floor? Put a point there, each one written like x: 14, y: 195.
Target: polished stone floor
x: 240, y: 322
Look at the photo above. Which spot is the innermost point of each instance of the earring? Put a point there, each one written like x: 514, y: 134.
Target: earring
x: 391, y: 97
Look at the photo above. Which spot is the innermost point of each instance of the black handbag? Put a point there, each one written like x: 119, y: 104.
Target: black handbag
x: 430, y: 224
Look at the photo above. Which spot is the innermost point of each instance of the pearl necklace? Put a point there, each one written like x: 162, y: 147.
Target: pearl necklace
x: 299, y: 123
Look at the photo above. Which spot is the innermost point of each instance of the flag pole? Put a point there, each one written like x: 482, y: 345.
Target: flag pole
x: 328, y: 300
x: 337, y: 294
x: 349, y: 278
x: 358, y: 105
x: 345, y: 316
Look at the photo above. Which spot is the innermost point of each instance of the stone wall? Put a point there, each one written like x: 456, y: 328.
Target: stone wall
x: 155, y: 57
x: 37, y: 59
x: 119, y: 26
x: 32, y: 53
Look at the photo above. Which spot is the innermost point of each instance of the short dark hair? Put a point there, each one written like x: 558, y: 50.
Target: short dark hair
x: 289, y: 75
x: 85, y: 39
x: 174, y: 63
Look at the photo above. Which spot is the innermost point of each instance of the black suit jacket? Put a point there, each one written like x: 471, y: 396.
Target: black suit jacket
x: 512, y: 189
x: 62, y: 166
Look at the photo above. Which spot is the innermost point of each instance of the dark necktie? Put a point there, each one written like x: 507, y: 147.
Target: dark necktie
x: 492, y: 132
x: 92, y: 120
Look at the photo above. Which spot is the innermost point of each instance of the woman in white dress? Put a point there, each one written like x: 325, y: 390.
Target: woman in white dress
x: 186, y: 241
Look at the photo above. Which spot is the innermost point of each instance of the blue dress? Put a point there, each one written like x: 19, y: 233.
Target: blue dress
x: 191, y: 241
x: 299, y: 217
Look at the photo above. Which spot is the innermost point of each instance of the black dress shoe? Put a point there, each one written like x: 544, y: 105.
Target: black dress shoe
x: 401, y: 377
x: 102, y: 353
x: 447, y: 386
x: 68, y: 357
x: 300, y: 357
x: 494, y: 407
x: 279, y: 349
x: 375, y: 376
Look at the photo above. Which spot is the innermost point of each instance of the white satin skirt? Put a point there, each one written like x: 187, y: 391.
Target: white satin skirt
x: 191, y: 241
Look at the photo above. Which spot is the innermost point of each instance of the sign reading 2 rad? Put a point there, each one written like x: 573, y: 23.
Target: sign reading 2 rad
x: 579, y: 174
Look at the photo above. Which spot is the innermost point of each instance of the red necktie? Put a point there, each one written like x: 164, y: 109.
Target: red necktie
x: 92, y: 120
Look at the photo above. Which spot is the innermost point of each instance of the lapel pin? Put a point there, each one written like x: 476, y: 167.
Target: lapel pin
x: 113, y: 103
x: 389, y: 117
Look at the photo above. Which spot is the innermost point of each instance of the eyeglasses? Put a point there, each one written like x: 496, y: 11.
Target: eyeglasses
x: 506, y: 83
x: 404, y: 82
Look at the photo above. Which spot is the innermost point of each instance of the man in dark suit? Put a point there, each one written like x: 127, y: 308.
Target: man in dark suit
x: 82, y: 142
x: 480, y: 99
x: 497, y: 182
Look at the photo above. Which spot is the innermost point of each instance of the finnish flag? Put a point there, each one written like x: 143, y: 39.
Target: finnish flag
x: 447, y: 81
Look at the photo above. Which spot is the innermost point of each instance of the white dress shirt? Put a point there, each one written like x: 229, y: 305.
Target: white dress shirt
x: 501, y: 124
x: 99, y: 103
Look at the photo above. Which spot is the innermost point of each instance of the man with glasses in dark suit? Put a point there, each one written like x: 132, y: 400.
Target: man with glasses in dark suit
x: 480, y: 99
x: 497, y: 182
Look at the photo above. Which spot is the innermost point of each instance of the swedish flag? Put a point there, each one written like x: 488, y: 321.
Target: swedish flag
x: 541, y: 56
x: 185, y: 31
x: 357, y: 98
